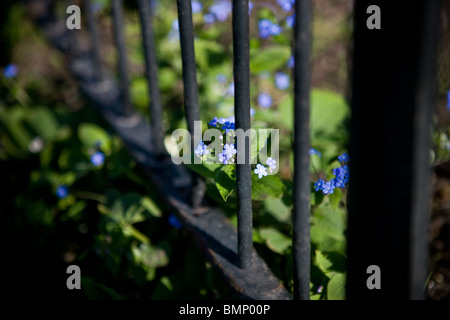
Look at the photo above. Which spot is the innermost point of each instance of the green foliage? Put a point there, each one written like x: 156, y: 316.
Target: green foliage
x: 113, y: 221
x: 225, y: 179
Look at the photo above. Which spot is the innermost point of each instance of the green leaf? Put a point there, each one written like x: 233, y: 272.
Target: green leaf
x: 278, y: 209
x: 167, y: 78
x: 268, y: 186
x: 322, y: 262
x: 204, y: 169
x: 98, y: 291
x: 163, y: 290
x: 208, y: 53
x: 336, y: 287
x: 328, y: 111
x: 316, y: 196
x: 326, y: 243
x: 90, y: 134
x: 139, y: 92
x: 225, y: 180
x: 151, y: 207
x: 153, y: 256
x: 275, y: 240
x: 335, y: 198
x: 44, y: 122
x: 269, y: 59
x: 330, y: 221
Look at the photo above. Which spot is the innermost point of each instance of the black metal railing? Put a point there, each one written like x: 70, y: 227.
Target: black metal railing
x: 386, y: 226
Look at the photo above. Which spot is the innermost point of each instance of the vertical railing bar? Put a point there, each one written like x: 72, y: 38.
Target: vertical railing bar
x: 301, y: 216
x: 151, y: 68
x: 191, y: 105
x: 95, y: 41
x: 421, y: 189
x: 186, y: 30
x: 241, y: 73
x: 72, y: 39
x: 117, y: 11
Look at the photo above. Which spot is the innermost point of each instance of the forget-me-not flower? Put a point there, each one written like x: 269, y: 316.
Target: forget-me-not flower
x: 265, y: 100
x: 196, y: 6
x: 98, y: 158
x: 11, y: 70
x: 260, y: 171
x: 272, y: 163
x: 62, y: 191
x: 282, y: 80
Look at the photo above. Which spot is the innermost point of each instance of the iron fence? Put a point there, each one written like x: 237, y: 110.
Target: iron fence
x: 386, y: 226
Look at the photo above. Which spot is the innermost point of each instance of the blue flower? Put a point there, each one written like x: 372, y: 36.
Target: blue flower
x: 250, y: 6
x: 174, y: 222
x: 221, y: 9
x: 252, y: 112
x: 209, y: 18
x: 265, y: 100
x: 290, y: 21
x: 229, y: 151
x: 343, y: 158
x: 201, y: 149
x: 267, y: 28
x: 213, y: 122
x: 282, y: 80
x: 286, y: 5
x: 448, y: 99
x: 339, y: 172
x: 98, y: 158
x: 223, y: 158
x: 328, y: 187
x: 318, y: 185
x: 260, y: 171
x: 291, y: 62
x: 339, y: 183
x: 314, y: 151
x: 230, y: 89
x: 228, y: 126
x: 272, y: 163
x: 11, y: 70
x: 62, y: 191
x: 196, y: 6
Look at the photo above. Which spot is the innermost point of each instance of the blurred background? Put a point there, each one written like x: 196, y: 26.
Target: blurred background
x: 73, y: 195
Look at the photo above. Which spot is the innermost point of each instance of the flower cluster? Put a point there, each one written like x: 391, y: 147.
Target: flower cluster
x: 201, y: 150
x: 339, y: 181
x: 267, y: 28
x: 261, y: 170
x: 227, y: 155
x: 229, y: 150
